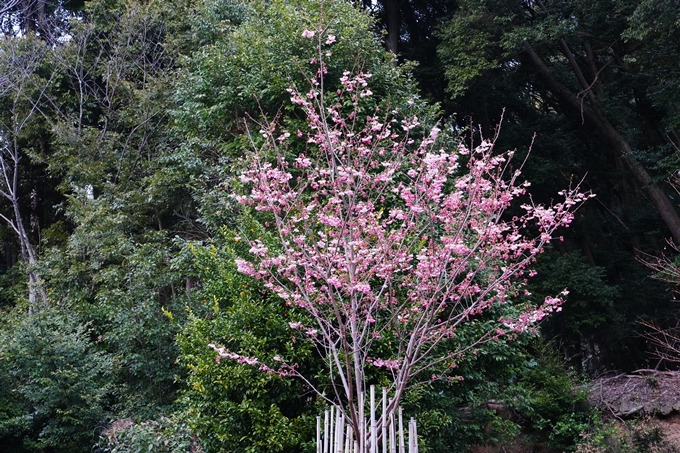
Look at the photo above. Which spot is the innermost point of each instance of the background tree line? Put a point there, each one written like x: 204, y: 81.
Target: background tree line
x: 121, y: 131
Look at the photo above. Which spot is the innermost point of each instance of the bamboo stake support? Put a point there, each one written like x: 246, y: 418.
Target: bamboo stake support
x: 339, y: 430
x: 383, y: 426
x: 374, y: 434
x: 362, y: 424
x: 326, y: 430
x: 393, y: 437
x: 415, y: 436
x: 331, y: 432
x: 401, y: 431
x: 339, y: 436
x: 318, y: 434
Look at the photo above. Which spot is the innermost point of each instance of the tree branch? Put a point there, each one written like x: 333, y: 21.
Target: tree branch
x: 577, y: 70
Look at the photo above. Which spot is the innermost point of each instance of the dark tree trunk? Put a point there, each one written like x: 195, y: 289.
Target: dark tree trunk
x: 393, y: 25
x: 34, y: 15
x: 594, y: 116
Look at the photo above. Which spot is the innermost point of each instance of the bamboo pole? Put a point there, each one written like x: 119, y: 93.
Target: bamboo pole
x: 318, y: 434
x: 410, y: 436
x: 339, y: 430
x: 393, y: 437
x: 362, y: 424
x: 326, y: 430
x: 374, y: 434
x: 383, y: 426
x: 401, y: 431
x: 331, y: 432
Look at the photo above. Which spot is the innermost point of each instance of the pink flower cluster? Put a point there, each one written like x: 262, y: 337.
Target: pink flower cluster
x: 440, y: 252
x: 283, y: 370
x: 531, y: 317
x: 222, y: 353
x: 390, y: 364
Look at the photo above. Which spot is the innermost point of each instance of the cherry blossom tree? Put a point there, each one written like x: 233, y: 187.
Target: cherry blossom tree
x: 388, y: 243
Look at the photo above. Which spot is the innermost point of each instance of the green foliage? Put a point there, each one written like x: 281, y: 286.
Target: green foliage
x: 126, y: 193
x: 549, y: 404
x: 636, y: 436
x: 166, y: 435
x: 234, y: 406
x: 122, y: 289
x: 452, y: 416
x: 632, y: 85
x: 12, y: 287
x: 55, y: 384
x: 471, y: 32
x: 128, y: 177
x: 588, y: 308
x: 139, y: 122
x: 247, y: 69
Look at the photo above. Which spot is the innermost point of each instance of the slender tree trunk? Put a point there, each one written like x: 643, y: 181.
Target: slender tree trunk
x: 37, y: 297
x: 9, y: 189
x: 28, y: 7
x: 393, y: 26
x: 34, y: 16
x: 594, y: 116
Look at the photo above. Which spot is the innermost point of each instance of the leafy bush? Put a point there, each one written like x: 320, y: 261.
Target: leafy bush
x: 587, y: 313
x: 166, y: 435
x: 551, y: 407
x: 53, y: 384
x: 637, y: 436
x: 229, y: 405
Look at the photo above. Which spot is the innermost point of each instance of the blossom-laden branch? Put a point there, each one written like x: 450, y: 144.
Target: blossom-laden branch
x: 384, y: 238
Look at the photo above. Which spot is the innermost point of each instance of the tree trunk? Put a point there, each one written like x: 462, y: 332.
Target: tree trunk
x: 594, y: 116
x: 393, y: 26
x: 34, y: 16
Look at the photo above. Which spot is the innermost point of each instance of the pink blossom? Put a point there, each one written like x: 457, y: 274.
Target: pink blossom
x: 382, y: 236
x: 390, y: 364
x: 309, y: 34
x: 303, y: 162
x: 245, y: 267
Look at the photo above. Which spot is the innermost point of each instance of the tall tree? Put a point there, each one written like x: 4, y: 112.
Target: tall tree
x: 47, y: 19
x: 595, y: 81
x: 584, y: 62
x: 376, y: 237
x: 409, y: 28
x: 23, y: 93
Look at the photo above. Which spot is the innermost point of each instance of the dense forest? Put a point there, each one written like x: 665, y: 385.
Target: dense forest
x: 127, y: 135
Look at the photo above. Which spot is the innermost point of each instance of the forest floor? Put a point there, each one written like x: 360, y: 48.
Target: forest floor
x: 671, y: 429
x: 646, y: 392
x: 652, y: 397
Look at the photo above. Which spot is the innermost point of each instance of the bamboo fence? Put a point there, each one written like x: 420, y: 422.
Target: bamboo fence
x: 382, y: 435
